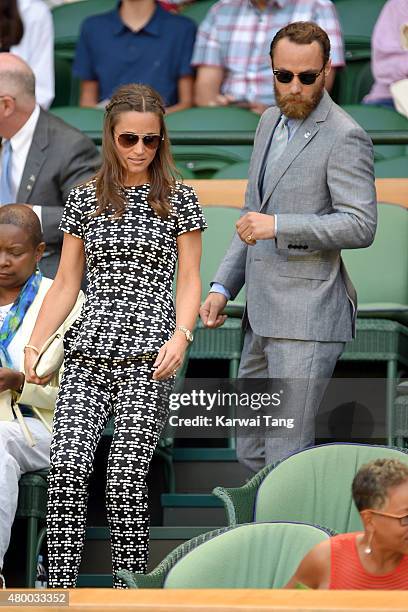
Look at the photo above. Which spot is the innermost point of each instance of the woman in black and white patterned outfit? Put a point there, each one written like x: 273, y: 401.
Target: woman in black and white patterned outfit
x: 130, y: 225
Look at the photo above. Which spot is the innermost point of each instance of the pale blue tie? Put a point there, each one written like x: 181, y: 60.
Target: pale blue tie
x: 7, y: 195
x: 278, y: 144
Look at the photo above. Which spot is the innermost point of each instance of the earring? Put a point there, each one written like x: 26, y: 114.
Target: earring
x: 368, y: 550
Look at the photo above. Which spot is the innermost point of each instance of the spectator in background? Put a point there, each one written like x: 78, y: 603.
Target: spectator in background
x: 231, y: 52
x: 389, y: 52
x: 26, y: 29
x: 41, y: 156
x: 26, y: 410
x: 137, y: 42
x: 376, y: 558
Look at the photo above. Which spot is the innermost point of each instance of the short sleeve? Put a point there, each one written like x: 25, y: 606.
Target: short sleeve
x: 208, y: 49
x: 71, y: 222
x: 83, y: 66
x: 189, y: 33
x: 188, y: 211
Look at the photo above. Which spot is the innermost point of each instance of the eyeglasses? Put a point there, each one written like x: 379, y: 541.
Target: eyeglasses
x: 306, y: 78
x: 129, y: 139
x: 402, y: 519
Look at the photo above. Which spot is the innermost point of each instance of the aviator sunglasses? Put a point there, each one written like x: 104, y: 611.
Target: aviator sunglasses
x: 306, y: 78
x: 129, y: 139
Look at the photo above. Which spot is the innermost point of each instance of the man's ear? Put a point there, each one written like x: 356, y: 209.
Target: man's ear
x: 327, y: 68
x: 9, y: 105
x: 367, y: 519
x: 39, y: 251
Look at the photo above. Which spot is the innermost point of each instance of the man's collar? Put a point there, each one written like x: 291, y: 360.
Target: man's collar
x: 153, y: 26
x: 27, y: 130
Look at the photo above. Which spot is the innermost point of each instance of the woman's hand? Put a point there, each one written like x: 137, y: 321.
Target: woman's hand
x: 30, y: 357
x: 170, y: 357
x: 10, y: 380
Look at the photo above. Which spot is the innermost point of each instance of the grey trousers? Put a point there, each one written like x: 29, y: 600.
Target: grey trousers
x: 306, y: 366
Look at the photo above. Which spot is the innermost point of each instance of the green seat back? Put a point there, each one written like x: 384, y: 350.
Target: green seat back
x: 216, y: 239
x: 219, y: 118
x: 380, y: 272
x: 63, y: 82
x: 205, y: 160
x: 397, y: 167
x: 377, y: 119
x: 354, y: 81
x: 357, y: 19
x: 234, y: 171
x: 69, y: 17
x: 88, y: 120
x: 256, y: 556
x: 314, y: 486
x: 197, y: 10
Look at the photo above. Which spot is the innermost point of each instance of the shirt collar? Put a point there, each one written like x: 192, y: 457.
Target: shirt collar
x: 153, y: 26
x: 25, y: 134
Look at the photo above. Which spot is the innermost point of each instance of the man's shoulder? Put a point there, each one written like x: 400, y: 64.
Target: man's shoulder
x: 57, y: 127
x: 180, y: 22
x: 95, y: 22
x: 223, y: 8
x: 342, y: 122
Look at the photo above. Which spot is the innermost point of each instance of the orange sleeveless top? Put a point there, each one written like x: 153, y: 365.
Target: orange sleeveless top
x: 347, y: 572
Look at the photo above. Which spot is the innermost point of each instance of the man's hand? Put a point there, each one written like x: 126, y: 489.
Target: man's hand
x: 10, y: 379
x: 255, y: 226
x: 210, y: 311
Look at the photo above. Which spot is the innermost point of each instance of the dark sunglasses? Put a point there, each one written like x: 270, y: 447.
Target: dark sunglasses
x: 128, y: 140
x: 306, y: 78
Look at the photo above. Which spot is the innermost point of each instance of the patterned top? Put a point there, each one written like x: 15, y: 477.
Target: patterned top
x: 131, y: 261
x: 347, y: 571
x: 237, y: 35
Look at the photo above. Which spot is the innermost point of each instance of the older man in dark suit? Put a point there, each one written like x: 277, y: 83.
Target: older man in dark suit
x: 42, y: 157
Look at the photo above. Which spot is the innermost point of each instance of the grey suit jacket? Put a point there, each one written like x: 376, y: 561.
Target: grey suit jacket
x: 323, y: 194
x: 60, y: 157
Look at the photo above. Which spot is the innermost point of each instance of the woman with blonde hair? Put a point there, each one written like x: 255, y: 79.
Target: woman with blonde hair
x: 131, y: 224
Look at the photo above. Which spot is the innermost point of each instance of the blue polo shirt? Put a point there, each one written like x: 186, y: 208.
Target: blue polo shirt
x: 157, y: 55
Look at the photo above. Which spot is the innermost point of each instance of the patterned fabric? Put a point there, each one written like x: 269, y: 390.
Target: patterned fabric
x: 237, y: 36
x: 347, y: 572
x: 16, y: 315
x: 91, y: 392
x: 131, y: 263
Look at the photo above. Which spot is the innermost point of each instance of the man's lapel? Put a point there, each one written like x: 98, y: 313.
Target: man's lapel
x: 35, y: 159
x: 260, y: 159
x: 304, y: 135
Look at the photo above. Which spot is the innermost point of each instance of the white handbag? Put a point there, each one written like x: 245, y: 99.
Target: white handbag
x: 51, y: 355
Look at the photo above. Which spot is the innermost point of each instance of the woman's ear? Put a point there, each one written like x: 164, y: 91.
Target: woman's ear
x: 39, y: 251
x: 367, y: 519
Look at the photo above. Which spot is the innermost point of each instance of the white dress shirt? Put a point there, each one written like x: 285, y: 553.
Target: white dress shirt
x: 20, y: 146
x: 37, y: 47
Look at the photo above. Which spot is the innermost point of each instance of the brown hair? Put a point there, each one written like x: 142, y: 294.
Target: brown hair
x: 303, y: 33
x: 110, y: 179
x: 11, y: 25
x: 372, y: 481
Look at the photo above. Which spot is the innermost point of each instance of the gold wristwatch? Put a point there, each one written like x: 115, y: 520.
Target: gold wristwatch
x: 188, y: 334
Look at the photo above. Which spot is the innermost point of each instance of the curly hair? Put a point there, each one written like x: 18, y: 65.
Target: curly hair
x: 303, y: 33
x: 373, y: 480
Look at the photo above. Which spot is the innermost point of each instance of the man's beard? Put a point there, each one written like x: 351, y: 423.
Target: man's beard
x: 298, y: 107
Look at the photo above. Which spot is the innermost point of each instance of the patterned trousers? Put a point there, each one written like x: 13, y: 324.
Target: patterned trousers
x: 93, y: 390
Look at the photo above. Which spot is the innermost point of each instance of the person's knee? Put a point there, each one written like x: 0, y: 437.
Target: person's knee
x: 74, y: 469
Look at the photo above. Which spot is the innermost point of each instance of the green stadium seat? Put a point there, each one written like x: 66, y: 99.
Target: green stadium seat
x: 68, y: 19
x: 396, y: 167
x: 88, y: 120
x: 353, y: 82
x: 63, y: 82
x: 312, y: 485
x: 234, y: 171
x: 254, y: 556
x: 197, y: 10
x: 357, y: 20
x: 193, y: 125
x: 379, y: 119
x: 226, y: 341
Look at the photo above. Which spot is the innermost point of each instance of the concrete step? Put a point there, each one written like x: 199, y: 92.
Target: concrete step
x: 199, y: 470
x: 191, y: 509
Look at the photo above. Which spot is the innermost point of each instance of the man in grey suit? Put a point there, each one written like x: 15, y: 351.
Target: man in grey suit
x: 310, y: 193
x: 42, y: 157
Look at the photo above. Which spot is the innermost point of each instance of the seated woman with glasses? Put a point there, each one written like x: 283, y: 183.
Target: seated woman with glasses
x: 376, y: 558
x: 131, y: 224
